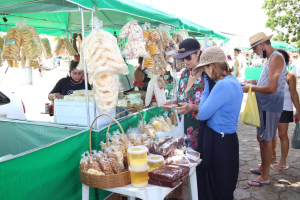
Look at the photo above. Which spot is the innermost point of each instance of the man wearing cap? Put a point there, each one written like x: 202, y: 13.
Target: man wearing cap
x: 269, y: 94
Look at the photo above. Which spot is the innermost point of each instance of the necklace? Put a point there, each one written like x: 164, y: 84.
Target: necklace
x: 194, y: 76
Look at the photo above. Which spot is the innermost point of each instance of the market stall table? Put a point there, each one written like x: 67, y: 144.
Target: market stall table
x: 151, y: 191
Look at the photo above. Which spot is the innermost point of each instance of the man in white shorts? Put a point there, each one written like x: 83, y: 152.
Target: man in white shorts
x: 269, y: 94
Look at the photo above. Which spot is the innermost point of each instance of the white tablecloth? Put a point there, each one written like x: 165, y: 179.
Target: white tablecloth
x: 151, y: 191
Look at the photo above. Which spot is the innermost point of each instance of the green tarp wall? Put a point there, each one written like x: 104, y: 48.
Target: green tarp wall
x: 52, y: 171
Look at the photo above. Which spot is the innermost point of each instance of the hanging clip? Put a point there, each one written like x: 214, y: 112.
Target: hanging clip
x: 223, y: 134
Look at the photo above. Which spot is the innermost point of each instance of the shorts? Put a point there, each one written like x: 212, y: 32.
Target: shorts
x: 268, y: 125
x: 286, y: 117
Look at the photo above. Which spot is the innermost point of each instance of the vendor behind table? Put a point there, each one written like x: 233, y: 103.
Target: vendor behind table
x: 141, y: 76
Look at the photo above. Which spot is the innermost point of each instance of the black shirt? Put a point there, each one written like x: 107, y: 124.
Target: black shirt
x: 65, y: 87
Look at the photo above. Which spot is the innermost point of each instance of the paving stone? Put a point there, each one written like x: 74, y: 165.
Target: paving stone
x: 274, y: 172
x: 241, y: 194
x: 291, y: 159
x: 295, y: 165
x: 265, y: 195
x: 245, y: 148
x: 242, y: 176
x: 289, y: 196
x: 283, y: 177
x: 254, y: 163
x: 247, y: 157
x: 245, y: 169
x: 295, y: 187
x: 242, y: 162
x: 292, y: 172
x: 275, y: 187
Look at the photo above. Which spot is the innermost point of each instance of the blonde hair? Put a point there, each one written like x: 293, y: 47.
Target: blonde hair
x: 218, y: 69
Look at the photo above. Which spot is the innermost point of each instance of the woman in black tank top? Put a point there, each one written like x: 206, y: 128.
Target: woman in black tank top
x: 141, y: 76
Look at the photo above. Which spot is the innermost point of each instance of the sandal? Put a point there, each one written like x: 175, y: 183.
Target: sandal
x: 255, y: 172
x: 259, y: 183
x: 279, y: 168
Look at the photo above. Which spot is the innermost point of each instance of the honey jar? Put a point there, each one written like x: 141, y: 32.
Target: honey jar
x: 138, y: 157
x: 139, y: 177
x: 155, y: 161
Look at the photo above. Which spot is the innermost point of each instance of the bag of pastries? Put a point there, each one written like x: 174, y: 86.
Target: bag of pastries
x: 58, y: 47
x: 69, y: 47
x: 1, y: 42
x: 46, y: 48
x: 35, y: 38
x: 28, y: 44
x: 23, y: 58
x: 12, y: 44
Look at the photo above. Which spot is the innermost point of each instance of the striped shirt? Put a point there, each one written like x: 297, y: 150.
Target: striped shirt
x: 271, y: 102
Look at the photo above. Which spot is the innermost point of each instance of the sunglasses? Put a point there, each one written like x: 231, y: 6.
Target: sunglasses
x: 188, y: 58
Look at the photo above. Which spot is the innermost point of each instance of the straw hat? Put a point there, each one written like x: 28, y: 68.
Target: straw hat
x: 212, y: 55
x: 258, y: 38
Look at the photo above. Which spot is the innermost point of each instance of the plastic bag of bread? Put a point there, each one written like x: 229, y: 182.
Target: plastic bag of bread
x: 58, y: 47
x: 30, y: 48
x: 33, y: 63
x: 135, y: 31
x: 165, y: 35
x: 12, y: 44
x: 35, y: 39
x: 62, y: 51
x: 106, y: 167
x: 69, y: 46
x: 146, y: 27
x: 153, y: 35
x: 101, y: 51
x: 152, y: 48
x: 125, y: 30
x: 114, y: 165
x: 148, y: 62
x: 46, y: 48
x: 1, y: 42
x: 23, y: 58
x: 184, y: 34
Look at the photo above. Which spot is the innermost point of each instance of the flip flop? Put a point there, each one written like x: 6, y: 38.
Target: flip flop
x: 279, y: 168
x: 259, y: 183
x: 255, y: 172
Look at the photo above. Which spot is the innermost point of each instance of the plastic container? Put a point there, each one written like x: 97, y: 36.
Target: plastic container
x: 155, y: 161
x: 139, y: 177
x: 82, y: 92
x: 122, y: 102
x: 79, y: 98
x: 69, y: 97
x: 138, y: 157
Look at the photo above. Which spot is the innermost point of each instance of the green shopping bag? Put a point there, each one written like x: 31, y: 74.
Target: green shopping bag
x: 296, y: 137
x: 251, y: 114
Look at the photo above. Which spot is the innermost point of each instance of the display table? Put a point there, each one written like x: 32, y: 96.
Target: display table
x: 150, y: 192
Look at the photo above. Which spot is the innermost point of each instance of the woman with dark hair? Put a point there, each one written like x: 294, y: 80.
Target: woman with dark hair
x: 218, y: 144
x: 290, y: 97
x: 140, y: 75
x: 67, y: 85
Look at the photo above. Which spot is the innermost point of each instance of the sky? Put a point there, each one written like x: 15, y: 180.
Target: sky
x: 240, y: 17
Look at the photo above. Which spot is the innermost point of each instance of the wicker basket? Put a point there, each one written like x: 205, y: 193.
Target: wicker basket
x: 105, y: 181
x: 113, y: 180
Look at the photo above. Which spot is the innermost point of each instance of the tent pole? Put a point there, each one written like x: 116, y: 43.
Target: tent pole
x: 85, y: 74
x: 95, y: 107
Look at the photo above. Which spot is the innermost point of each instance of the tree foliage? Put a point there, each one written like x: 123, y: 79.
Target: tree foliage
x: 284, y: 19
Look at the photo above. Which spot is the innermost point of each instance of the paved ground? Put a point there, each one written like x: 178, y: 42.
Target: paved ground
x: 284, y: 184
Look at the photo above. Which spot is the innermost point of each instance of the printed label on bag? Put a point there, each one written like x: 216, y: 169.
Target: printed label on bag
x: 10, y: 42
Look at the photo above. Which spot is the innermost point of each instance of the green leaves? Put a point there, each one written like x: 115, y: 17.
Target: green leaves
x: 284, y: 18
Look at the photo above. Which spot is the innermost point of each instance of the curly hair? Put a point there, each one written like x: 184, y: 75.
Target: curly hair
x: 285, y: 55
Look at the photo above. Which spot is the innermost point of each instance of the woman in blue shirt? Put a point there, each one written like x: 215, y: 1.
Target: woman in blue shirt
x: 219, y: 110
